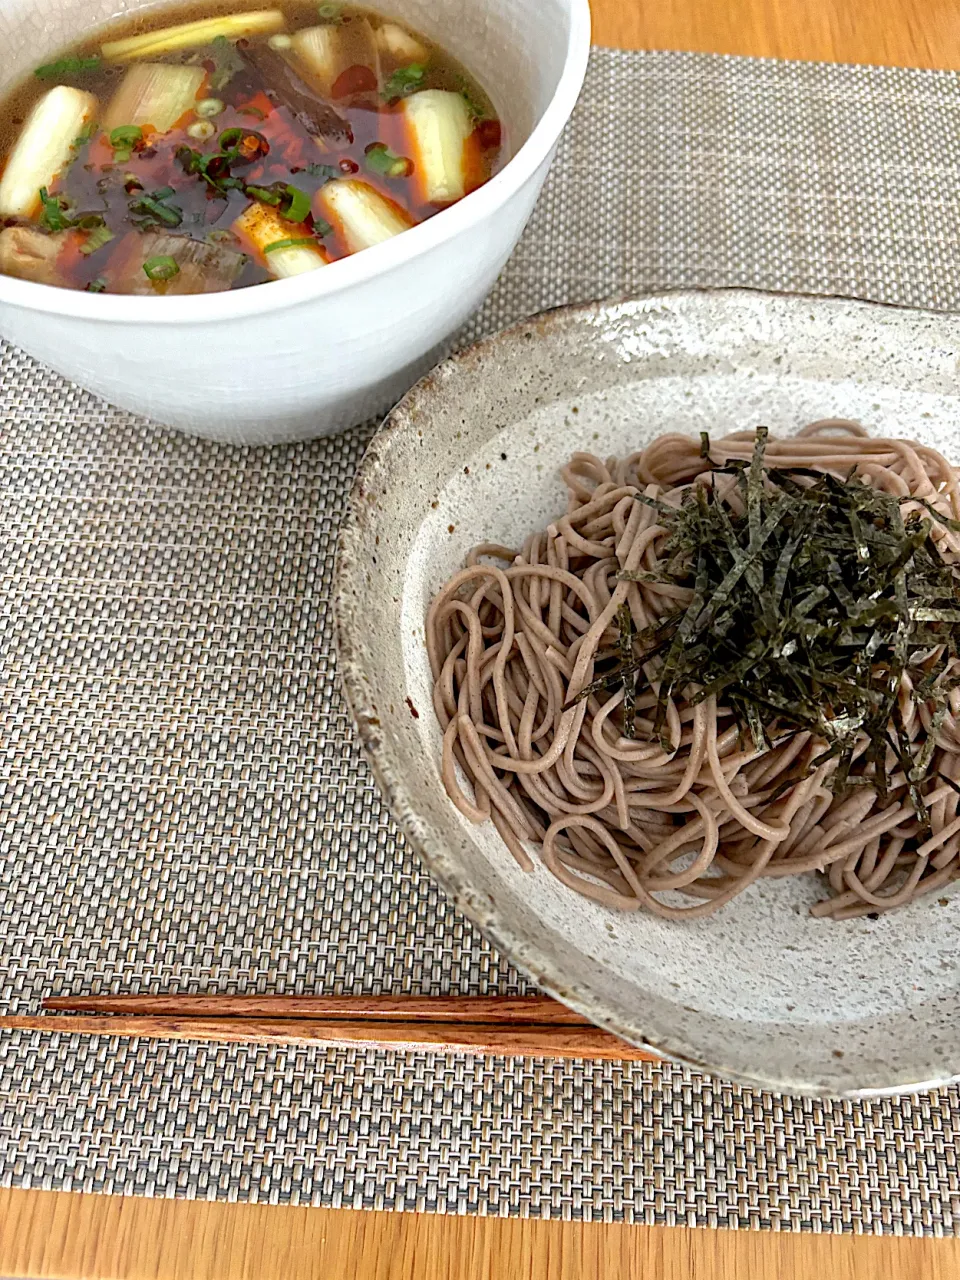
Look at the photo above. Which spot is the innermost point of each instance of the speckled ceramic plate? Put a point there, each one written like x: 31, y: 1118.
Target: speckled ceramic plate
x: 762, y: 992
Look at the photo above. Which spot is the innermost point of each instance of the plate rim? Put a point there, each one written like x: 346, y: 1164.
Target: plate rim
x: 476, y: 906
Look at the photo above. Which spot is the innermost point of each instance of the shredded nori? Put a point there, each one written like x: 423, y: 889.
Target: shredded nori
x: 807, y: 611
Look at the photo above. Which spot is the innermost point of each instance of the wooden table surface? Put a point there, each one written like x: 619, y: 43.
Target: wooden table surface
x: 111, y: 1238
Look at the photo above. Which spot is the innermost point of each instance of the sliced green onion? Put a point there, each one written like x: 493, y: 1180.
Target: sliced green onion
x: 53, y: 217
x: 72, y: 66
x: 321, y: 228
x: 263, y: 194
x: 97, y: 286
x: 85, y: 134
x: 123, y: 139
x: 404, y: 80
x: 280, y: 41
x: 201, y: 130
x: 161, y: 267
x: 329, y: 12
x: 229, y: 138
x: 206, y: 108
x: 297, y: 206
x: 381, y: 160
x: 255, y: 112
x: 126, y: 135
x: 97, y: 238
x: 289, y: 243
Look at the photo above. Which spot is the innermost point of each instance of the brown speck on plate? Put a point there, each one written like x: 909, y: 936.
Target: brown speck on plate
x: 450, y: 528
x: 413, y: 710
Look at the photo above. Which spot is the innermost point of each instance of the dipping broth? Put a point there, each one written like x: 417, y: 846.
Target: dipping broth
x: 205, y: 149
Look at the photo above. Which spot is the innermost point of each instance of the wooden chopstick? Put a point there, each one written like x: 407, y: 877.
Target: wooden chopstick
x: 460, y: 1009
x: 510, y: 1038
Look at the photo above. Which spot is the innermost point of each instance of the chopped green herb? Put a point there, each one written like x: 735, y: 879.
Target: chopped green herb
x: 85, y: 134
x: 229, y: 138
x: 220, y: 235
x: 161, y: 267
x: 227, y: 62
x: 296, y: 206
x: 97, y: 286
x: 266, y: 195
x: 88, y: 221
x: 53, y: 216
x: 321, y: 228
x: 288, y: 243
x: 477, y: 110
x: 807, y: 610
x: 71, y: 66
x: 404, y: 80
x: 123, y: 139
x: 150, y: 210
x: 96, y: 239
x: 327, y: 171
x: 329, y: 12
x: 381, y: 160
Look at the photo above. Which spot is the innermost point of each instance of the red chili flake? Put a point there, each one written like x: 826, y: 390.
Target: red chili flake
x: 349, y: 166
x: 356, y: 79
x: 490, y: 134
x: 252, y: 146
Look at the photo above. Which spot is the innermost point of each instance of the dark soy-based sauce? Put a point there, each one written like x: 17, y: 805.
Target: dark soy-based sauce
x: 277, y: 125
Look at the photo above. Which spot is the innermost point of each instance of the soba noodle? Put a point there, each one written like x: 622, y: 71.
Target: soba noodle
x: 623, y: 821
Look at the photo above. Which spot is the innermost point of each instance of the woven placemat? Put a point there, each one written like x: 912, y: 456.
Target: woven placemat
x: 183, y: 803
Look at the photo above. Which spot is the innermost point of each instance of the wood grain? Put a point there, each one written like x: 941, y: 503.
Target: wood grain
x: 468, y: 1009
x: 58, y: 1234
x: 919, y: 33
x: 511, y: 1039
x: 44, y: 1234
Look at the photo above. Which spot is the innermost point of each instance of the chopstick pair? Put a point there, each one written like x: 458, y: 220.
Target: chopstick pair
x: 524, y: 1026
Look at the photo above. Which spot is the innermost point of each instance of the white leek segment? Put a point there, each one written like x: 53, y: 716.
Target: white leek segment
x: 201, y: 267
x: 28, y: 254
x: 322, y: 54
x: 397, y: 44
x: 360, y: 213
x: 439, y: 123
x: 260, y: 226
x: 44, y: 148
x: 191, y: 35
x: 154, y: 95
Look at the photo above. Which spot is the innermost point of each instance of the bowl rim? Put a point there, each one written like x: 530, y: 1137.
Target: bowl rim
x: 348, y: 272
x: 349, y: 629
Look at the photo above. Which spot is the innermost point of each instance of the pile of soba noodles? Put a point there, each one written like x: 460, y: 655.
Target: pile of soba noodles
x: 669, y: 803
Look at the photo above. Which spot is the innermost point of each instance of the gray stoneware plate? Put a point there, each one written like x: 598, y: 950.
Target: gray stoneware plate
x: 762, y: 992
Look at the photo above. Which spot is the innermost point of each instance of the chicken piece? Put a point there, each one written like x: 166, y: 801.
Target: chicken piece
x: 28, y: 254
x: 200, y: 267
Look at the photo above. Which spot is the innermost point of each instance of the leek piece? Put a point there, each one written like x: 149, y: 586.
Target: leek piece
x: 360, y: 213
x: 439, y: 124
x: 397, y: 44
x: 28, y: 254
x: 261, y: 225
x: 44, y: 148
x: 201, y: 267
x: 191, y: 35
x: 322, y: 54
x: 154, y: 94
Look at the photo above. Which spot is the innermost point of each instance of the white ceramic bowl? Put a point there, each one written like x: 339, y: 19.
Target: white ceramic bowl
x: 318, y: 353
x: 762, y: 992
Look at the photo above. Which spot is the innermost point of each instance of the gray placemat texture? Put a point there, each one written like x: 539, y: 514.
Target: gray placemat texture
x: 183, y: 804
